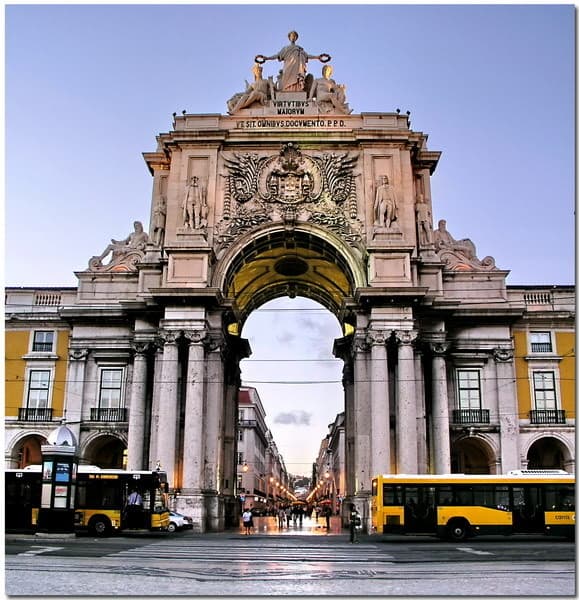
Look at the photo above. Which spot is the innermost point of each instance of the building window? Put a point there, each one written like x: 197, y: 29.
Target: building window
x: 111, y: 388
x: 241, y: 415
x: 38, y: 389
x: 43, y: 341
x: 468, y: 387
x: 541, y: 341
x: 544, y: 390
x: 240, y: 435
x: 240, y: 458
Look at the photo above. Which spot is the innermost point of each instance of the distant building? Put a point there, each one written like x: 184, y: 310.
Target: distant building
x: 262, y: 480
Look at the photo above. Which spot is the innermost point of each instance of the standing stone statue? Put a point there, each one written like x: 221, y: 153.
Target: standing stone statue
x: 295, y: 58
x: 423, y: 221
x: 194, y: 206
x: 385, y: 206
x: 159, y: 217
x: 331, y: 97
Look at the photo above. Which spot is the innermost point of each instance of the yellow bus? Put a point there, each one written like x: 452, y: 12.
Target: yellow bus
x: 459, y: 506
x: 101, y: 500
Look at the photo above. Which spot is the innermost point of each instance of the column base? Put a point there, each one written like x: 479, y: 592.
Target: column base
x: 206, y: 508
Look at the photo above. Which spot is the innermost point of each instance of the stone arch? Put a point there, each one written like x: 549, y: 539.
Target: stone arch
x: 274, y: 261
x: 548, y: 451
x: 25, y: 449
x: 474, y: 454
x: 105, y: 450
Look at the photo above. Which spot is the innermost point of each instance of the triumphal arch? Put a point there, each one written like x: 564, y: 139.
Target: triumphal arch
x: 292, y: 193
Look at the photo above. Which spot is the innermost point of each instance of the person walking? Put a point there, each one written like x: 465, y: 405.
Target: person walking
x: 247, y: 519
x: 355, y: 524
x: 281, y: 517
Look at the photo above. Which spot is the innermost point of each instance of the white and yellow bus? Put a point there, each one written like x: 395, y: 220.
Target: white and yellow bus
x: 458, y: 506
x: 101, y: 499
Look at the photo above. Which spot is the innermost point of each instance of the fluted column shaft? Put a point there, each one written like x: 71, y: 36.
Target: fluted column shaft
x: 74, y: 388
x: 167, y: 425
x: 193, y: 454
x: 136, y: 438
x: 440, y: 413
x: 406, y: 442
x: 380, y: 404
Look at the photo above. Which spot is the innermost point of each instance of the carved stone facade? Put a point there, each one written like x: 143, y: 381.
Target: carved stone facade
x: 292, y: 193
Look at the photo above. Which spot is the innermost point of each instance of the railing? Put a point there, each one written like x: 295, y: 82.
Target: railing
x: 547, y: 417
x: 47, y: 298
x: 541, y: 347
x: 108, y: 414
x: 42, y: 347
x: 467, y: 416
x: 537, y: 298
x: 35, y: 414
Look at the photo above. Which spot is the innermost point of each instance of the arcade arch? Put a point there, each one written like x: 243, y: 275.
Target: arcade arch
x: 107, y: 451
x: 548, y: 453
x: 26, y: 450
x: 473, y: 455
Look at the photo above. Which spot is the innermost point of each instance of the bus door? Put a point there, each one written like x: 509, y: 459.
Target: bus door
x: 528, y: 509
x: 419, y: 509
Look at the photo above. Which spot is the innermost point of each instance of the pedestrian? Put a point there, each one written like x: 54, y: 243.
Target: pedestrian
x: 327, y: 514
x: 281, y: 517
x: 355, y: 524
x: 247, y: 519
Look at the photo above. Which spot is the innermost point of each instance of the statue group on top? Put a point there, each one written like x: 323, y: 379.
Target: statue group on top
x: 293, y: 77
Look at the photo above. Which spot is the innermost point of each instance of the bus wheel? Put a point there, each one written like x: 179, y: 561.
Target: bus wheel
x: 100, y: 526
x: 457, y: 529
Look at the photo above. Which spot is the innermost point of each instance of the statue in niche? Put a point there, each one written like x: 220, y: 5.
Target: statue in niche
x: 330, y: 96
x: 194, y: 205
x: 459, y: 255
x: 124, y: 253
x: 159, y: 217
x: 385, y: 206
x: 295, y: 58
x: 258, y: 92
x: 423, y: 221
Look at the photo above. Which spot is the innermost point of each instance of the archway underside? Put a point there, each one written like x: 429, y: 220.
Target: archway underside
x: 288, y: 264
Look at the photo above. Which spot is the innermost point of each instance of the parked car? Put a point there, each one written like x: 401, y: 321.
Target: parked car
x: 179, y: 521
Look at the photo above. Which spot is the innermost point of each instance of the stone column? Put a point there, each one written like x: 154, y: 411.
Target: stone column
x: 168, y: 413
x: 155, y: 407
x: 406, y: 443
x: 508, y: 409
x: 75, y: 388
x: 136, y: 438
x: 380, y: 403
x: 440, y: 413
x: 193, y: 451
x: 213, y: 430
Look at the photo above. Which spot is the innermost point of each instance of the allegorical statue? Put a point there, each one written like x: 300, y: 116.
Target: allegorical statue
x: 459, y: 255
x: 159, y: 217
x: 122, y: 251
x: 331, y: 97
x: 194, y: 205
x: 423, y: 221
x: 260, y: 91
x: 294, y: 58
x: 385, y: 206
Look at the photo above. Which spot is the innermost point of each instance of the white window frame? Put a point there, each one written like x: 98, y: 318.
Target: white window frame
x: 538, y: 332
x: 29, y: 371
x: 555, y: 374
x: 121, y: 387
x: 460, y: 406
x: 32, y: 340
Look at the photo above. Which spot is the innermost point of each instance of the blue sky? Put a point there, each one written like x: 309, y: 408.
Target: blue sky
x: 88, y: 87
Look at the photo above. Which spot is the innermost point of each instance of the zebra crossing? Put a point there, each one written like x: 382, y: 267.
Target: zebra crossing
x: 255, y: 549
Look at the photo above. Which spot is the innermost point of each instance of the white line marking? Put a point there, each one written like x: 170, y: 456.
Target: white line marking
x: 40, y: 550
x: 473, y: 551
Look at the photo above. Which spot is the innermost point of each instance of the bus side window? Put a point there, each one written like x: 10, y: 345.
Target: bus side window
x: 463, y: 495
x: 502, y: 497
x: 391, y: 495
x: 444, y: 495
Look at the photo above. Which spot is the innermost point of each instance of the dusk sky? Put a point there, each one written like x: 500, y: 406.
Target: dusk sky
x: 88, y: 87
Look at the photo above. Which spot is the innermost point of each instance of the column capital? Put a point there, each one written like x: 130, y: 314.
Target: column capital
x: 439, y: 348
x: 503, y: 354
x: 141, y: 347
x: 377, y: 337
x: 195, y: 336
x: 169, y: 336
x: 78, y: 353
x: 362, y: 343
x: 405, y: 337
